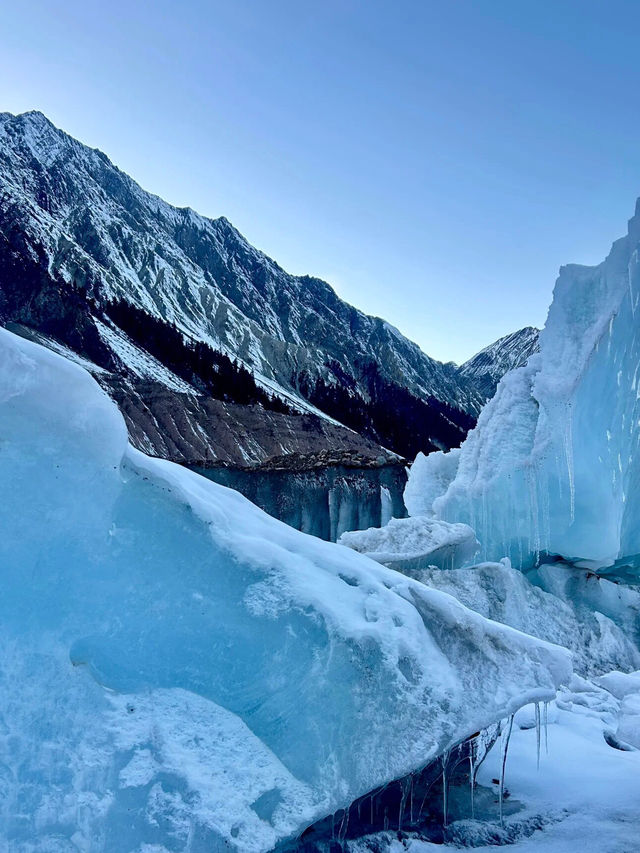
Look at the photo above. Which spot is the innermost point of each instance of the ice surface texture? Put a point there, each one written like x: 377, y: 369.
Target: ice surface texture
x: 179, y: 669
x: 553, y: 464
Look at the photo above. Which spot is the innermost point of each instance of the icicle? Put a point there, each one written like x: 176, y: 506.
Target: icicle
x: 411, y: 802
x: 344, y: 826
x: 424, y: 799
x: 546, y: 728
x: 445, y: 762
x: 403, y: 800
x: 505, y: 749
x: 568, y: 451
x: 472, y: 776
x: 537, y: 707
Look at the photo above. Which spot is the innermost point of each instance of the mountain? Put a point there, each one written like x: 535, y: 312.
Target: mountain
x: 487, y: 367
x: 78, y: 236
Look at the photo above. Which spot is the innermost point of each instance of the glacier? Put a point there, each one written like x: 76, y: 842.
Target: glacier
x: 410, y: 544
x: 179, y: 671
x: 552, y: 467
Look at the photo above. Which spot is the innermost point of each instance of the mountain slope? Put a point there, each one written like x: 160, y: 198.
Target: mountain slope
x: 78, y: 235
x: 485, y: 369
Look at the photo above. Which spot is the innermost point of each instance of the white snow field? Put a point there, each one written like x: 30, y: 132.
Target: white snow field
x: 180, y: 671
x: 410, y: 544
x: 553, y: 463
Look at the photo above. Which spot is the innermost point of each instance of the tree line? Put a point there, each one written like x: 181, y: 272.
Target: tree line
x: 210, y: 371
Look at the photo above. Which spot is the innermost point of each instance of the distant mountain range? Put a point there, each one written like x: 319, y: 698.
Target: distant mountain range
x: 214, y: 353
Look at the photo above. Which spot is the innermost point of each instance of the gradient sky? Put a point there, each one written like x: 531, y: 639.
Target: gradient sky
x: 435, y: 161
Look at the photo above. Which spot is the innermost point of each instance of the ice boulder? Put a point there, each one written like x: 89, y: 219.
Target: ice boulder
x: 410, y: 544
x: 628, y: 731
x: 553, y: 464
x: 180, y: 671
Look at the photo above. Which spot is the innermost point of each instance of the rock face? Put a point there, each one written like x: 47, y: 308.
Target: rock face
x: 487, y: 367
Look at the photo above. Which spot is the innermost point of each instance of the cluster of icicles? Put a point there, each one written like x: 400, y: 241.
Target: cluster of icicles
x: 541, y: 720
x: 385, y: 810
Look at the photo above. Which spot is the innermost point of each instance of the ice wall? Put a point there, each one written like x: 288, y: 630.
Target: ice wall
x: 553, y: 463
x: 322, y: 501
x: 180, y: 671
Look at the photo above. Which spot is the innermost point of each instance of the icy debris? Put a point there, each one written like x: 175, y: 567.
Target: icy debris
x: 412, y: 544
x: 553, y: 464
x: 562, y: 605
x: 628, y: 730
x: 179, y: 669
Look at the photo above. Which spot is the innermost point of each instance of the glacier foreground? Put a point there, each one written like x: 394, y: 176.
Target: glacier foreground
x: 180, y: 671
x: 553, y: 465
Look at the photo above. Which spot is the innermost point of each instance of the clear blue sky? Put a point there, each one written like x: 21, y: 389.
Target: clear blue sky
x: 435, y: 161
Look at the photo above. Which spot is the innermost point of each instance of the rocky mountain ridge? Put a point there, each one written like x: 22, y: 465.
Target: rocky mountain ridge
x: 487, y: 367
x: 78, y: 235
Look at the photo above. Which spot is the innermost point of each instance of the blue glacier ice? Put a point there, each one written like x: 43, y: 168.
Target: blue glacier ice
x: 179, y: 671
x: 553, y: 465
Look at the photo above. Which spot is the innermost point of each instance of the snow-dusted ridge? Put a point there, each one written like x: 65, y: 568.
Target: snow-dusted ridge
x: 97, y: 229
x: 158, y: 632
x: 487, y: 367
x: 78, y: 235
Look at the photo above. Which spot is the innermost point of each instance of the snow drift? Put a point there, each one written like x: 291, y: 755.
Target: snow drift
x: 553, y: 464
x: 180, y: 670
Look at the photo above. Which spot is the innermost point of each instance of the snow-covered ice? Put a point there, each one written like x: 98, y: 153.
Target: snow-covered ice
x: 429, y: 477
x: 179, y: 671
x: 410, y: 544
x: 553, y: 463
